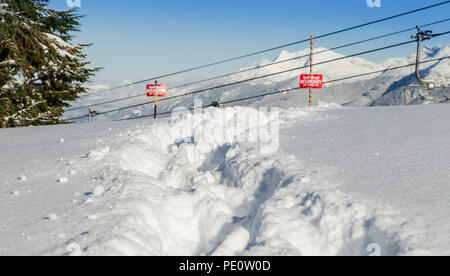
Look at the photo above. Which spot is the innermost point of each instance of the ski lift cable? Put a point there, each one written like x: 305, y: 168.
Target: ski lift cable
x: 255, y: 78
x: 440, y: 34
x: 243, y: 81
x: 293, y: 89
x: 259, y: 67
x: 279, y: 47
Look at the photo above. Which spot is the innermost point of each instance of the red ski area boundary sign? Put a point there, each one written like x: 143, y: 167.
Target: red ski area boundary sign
x: 314, y: 81
x: 159, y: 90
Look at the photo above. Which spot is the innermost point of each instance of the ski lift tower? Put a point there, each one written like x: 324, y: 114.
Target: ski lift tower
x: 423, y: 85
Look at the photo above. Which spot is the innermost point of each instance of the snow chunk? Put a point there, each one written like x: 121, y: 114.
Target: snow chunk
x: 99, y: 191
x: 324, y: 105
x: 305, y: 180
x: 234, y: 244
x: 98, y: 154
x: 8, y: 62
x: 52, y: 217
x: 92, y: 217
x: 63, y: 180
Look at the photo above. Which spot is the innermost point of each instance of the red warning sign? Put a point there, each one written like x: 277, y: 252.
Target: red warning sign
x: 158, y: 90
x: 314, y: 81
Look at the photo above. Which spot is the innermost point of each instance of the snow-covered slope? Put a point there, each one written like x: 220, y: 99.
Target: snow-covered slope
x: 382, y: 89
x: 342, y: 181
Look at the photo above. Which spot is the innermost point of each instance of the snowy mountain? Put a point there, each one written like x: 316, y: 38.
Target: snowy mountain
x: 382, y: 89
x: 334, y: 70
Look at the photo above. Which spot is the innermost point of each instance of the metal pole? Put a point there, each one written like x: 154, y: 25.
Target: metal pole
x: 91, y: 115
x: 156, y: 100
x: 311, y: 70
x: 421, y: 36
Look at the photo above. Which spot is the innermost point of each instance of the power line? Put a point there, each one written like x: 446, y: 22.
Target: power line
x: 254, y: 78
x: 278, y: 47
x: 260, y: 67
x: 338, y: 80
x: 441, y: 34
x: 292, y: 89
x: 246, y: 80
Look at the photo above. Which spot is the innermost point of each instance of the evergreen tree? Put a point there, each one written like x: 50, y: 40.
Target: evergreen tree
x: 41, y: 71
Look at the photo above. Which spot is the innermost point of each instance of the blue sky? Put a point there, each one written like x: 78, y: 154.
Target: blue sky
x: 136, y: 39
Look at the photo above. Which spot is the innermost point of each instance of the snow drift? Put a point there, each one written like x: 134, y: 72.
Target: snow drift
x: 335, y: 186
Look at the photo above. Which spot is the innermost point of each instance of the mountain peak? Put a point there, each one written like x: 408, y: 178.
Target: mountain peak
x: 436, y: 51
x: 286, y: 55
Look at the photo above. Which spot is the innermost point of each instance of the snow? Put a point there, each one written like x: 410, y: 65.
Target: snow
x: 99, y: 191
x: 3, y: 8
x: 61, y: 46
x: 339, y: 182
x: 234, y: 244
x: 52, y: 217
x: 63, y: 180
x: 8, y: 62
x: 60, y: 41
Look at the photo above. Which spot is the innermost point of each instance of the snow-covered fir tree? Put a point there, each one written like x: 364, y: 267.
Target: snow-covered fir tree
x: 41, y: 70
